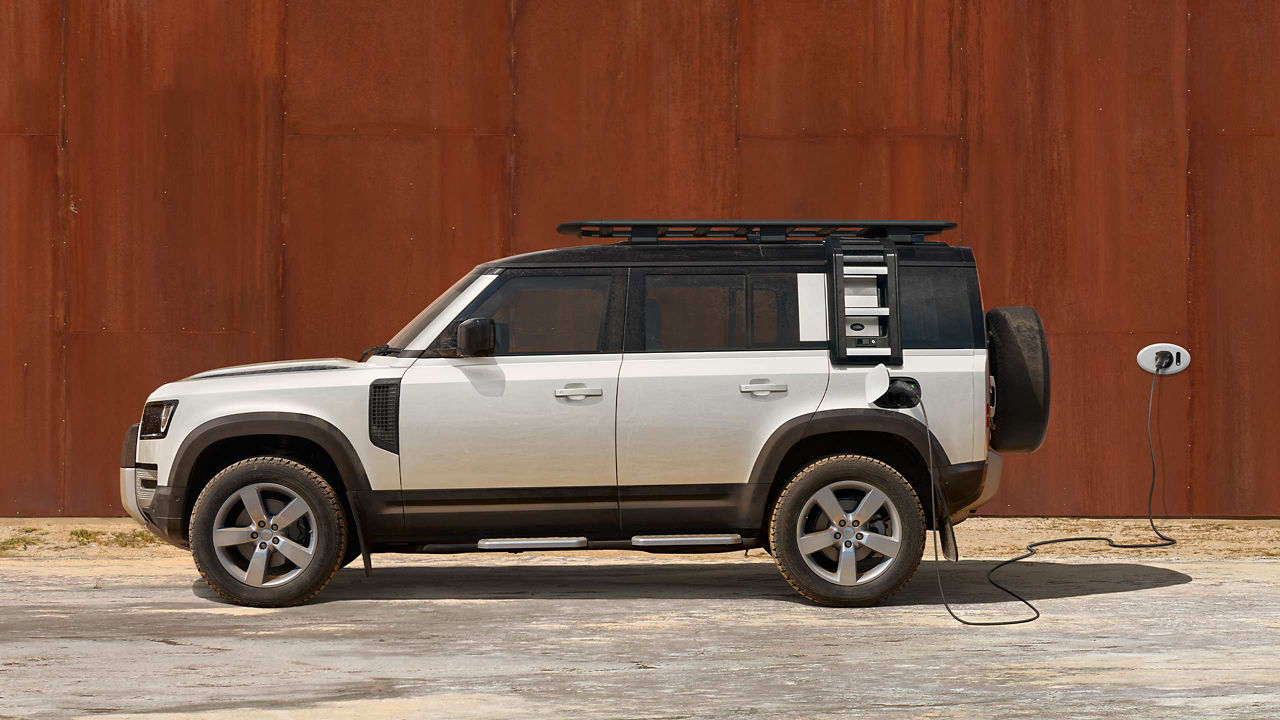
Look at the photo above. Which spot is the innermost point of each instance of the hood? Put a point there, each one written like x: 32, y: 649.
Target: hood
x: 277, y: 367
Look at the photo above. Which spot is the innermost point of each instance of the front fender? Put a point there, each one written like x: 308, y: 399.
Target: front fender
x: 307, y: 427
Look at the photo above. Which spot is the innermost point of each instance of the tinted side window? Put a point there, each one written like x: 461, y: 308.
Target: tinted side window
x: 939, y: 307
x: 548, y: 314
x: 775, y: 310
x: 724, y: 311
x: 695, y: 312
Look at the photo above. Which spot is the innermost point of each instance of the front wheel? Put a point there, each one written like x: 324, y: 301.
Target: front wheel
x: 268, y: 532
x: 847, y: 531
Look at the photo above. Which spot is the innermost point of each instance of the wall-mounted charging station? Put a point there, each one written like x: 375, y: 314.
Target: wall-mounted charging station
x: 1149, y: 360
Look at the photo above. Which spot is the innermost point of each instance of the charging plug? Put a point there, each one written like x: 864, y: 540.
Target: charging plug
x: 1164, y: 359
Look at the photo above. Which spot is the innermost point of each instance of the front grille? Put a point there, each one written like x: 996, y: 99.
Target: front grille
x: 384, y: 414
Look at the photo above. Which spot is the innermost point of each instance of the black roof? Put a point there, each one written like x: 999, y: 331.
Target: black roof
x: 736, y: 242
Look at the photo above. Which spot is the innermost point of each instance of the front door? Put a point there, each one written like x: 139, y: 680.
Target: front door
x: 520, y: 444
x: 717, y: 360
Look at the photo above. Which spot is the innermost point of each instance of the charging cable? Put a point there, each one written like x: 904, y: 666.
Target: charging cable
x: 1163, y: 361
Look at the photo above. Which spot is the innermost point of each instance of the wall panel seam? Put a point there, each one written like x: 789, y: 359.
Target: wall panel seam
x: 736, y: 40
x: 962, y: 22
x: 868, y: 135
x: 61, y: 253
x: 406, y: 134
x: 1189, y: 496
x: 505, y: 242
x: 281, y: 247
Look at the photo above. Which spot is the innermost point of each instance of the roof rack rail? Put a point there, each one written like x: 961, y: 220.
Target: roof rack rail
x: 641, y: 231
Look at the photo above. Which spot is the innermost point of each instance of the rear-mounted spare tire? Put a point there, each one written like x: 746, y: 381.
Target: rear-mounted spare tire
x: 1018, y: 353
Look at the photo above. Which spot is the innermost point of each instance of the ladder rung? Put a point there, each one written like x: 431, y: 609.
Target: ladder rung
x: 865, y: 270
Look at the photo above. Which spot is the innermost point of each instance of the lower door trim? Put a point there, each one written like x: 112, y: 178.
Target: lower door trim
x: 471, y: 514
x: 693, y: 509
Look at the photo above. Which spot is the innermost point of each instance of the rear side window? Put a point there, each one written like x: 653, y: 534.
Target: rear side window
x: 940, y: 307
x: 695, y: 312
x: 723, y: 311
x: 548, y: 314
x: 775, y: 312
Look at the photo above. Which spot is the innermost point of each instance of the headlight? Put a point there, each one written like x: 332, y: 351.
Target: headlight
x: 155, y: 419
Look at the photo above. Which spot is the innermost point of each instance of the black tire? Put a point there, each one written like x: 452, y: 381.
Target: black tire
x: 1018, y: 353
x: 326, y: 520
x: 831, y: 471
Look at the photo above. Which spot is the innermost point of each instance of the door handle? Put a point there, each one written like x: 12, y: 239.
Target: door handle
x: 761, y: 389
x: 578, y: 393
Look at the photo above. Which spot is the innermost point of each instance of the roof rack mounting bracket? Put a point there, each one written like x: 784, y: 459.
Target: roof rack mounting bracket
x: 772, y: 233
x: 644, y: 235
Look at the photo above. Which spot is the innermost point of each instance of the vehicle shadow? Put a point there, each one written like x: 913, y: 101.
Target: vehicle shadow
x: 965, y: 582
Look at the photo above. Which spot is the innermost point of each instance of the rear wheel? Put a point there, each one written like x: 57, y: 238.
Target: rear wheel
x: 847, y: 531
x: 268, y: 532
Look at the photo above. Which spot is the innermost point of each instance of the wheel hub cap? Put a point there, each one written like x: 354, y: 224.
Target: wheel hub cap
x: 849, y: 533
x: 264, y: 535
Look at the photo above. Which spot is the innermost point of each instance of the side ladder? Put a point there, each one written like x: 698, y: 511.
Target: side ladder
x: 864, y: 301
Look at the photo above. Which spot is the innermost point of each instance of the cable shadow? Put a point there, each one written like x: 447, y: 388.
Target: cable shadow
x: 965, y: 582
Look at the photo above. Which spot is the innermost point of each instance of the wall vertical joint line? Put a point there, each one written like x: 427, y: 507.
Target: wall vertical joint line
x: 63, y: 260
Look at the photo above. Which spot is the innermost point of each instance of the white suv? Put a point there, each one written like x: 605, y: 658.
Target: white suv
x: 693, y: 386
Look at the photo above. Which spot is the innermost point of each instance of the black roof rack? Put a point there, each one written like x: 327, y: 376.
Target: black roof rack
x: 752, y: 230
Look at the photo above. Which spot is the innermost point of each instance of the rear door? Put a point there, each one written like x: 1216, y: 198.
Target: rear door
x: 944, y: 349
x: 717, y: 359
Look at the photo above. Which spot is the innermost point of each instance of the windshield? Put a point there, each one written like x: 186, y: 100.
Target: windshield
x: 424, y: 318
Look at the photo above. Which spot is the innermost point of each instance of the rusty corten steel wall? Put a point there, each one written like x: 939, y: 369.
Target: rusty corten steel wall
x: 192, y: 184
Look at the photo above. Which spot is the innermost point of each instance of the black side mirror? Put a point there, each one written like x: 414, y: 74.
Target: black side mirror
x: 475, y: 337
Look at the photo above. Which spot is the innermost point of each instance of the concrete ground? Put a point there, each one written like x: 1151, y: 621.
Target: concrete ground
x: 97, y: 624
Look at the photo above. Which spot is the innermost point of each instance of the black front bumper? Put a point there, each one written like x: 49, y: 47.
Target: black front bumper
x: 168, y: 519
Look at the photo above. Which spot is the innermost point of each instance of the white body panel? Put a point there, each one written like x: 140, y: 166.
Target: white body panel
x: 683, y: 419
x: 947, y: 385
x: 128, y: 493
x: 339, y: 397
x: 811, y: 298
x: 497, y: 422
x: 279, y: 366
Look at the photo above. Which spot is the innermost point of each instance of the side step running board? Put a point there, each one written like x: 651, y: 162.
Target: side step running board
x: 674, y: 540
x: 547, y: 543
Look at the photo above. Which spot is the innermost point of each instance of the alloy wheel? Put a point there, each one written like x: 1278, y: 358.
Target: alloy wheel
x: 264, y: 535
x: 849, y: 533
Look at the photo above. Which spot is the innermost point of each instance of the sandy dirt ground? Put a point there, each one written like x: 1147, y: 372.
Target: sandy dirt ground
x: 96, y: 621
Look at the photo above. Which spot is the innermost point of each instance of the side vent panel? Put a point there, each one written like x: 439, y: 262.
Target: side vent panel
x: 384, y: 414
